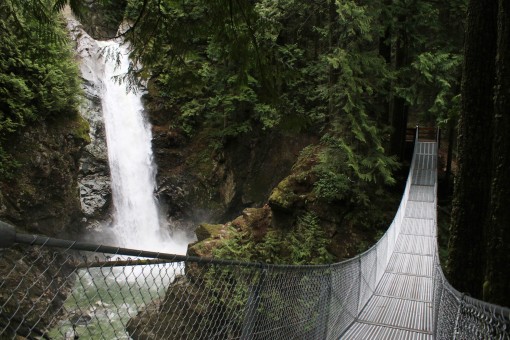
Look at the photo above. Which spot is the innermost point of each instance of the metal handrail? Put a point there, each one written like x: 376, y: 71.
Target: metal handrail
x: 366, y: 269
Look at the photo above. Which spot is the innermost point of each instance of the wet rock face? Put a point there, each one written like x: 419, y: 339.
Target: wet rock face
x: 94, y: 175
x: 64, y: 176
x: 95, y: 195
x: 28, y: 309
x: 198, y: 184
x: 43, y: 196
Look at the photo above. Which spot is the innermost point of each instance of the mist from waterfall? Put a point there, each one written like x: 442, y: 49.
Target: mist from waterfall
x: 136, y: 217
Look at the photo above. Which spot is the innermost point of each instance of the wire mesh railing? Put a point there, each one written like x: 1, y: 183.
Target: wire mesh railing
x: 462, y: 317
x: 59, y: 289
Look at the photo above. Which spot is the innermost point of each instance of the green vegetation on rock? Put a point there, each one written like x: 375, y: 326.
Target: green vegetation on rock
x: 38, y: 76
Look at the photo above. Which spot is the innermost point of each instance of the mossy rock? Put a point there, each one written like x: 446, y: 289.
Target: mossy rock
x: 81, y: 129
x: 257, y: 218
x: 294, y: 191
x: 204, y: 248
x: 205, y: 231
x: 283, y: 196
x: 210, y: 236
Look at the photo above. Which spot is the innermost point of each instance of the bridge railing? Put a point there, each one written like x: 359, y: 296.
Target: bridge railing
x: 462, y: 317
x: 60, y: 289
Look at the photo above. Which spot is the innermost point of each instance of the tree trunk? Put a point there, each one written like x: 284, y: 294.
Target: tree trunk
x: 498, y: 227
x: 400, y: 107
x: 449, y: 157
x: 385, y: 52
x: 332, y: 41
x: 466, y: 265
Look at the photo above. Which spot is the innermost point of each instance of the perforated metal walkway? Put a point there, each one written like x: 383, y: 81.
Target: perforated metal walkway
x: 401, y: 306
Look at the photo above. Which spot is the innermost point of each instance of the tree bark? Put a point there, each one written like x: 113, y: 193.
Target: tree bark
x: 466, y: 265
x: 385, y: 52
x: 449, y: 157
x: 498, y: 226
x: 400, y: 107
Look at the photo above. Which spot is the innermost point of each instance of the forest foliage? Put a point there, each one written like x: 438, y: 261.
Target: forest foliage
x: 38, y: 76
x: 237, y: 67
x: 345, y: 71
x: 351, y: 72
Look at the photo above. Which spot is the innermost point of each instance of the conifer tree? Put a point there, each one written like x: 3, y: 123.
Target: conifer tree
x: 472, y: 195
x: 479, y: 242
x: 497, y: 275
x: 38, y: 79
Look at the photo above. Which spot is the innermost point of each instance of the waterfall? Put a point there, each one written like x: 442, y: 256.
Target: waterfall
x: 120, y: 292
x: 136, y: 220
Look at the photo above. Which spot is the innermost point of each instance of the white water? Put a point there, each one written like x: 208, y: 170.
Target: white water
x: 109, y: 297
x: 136, y: 217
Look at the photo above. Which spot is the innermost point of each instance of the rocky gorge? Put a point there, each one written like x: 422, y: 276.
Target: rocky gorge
x: 239, y: 198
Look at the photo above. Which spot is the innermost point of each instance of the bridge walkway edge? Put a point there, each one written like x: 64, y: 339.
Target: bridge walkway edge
x: 402, y: 305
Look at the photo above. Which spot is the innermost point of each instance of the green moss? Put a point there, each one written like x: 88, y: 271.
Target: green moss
x: 202, y: 163
x: 304, y: 243
x: 205, y: 231
x: 282, y: 196
x: 256, y: 217
x: 72, y: 124
x: 308, y: 157
x: 296, y: 189
x: 486, y: 290
x: 202, y: 157
x: 81, y: 129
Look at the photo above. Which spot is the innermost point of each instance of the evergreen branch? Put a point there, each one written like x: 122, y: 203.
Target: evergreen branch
x: 137, y: 21
x: 256, y: 46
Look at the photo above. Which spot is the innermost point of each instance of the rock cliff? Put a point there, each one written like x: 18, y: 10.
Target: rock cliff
x: 198, y: 182
x: 43, y: 195
x: 94, y: 174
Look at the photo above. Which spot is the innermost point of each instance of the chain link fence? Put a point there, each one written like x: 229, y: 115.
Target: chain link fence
x: 56, y: 289
x: 59, y: 289
x: 461, y: 317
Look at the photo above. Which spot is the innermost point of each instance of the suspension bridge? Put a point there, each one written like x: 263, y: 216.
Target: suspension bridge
x: 60, y: 289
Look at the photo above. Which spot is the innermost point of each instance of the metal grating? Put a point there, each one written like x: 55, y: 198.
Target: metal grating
x: 419, y: 227
x: 362, y: 331
x: 406, y: 286
x: 417, y: 209
x: 412, y: 244
x: 420, y: 265
x: 422, y: 193
x: 412, y: 315
x: 402, y: 306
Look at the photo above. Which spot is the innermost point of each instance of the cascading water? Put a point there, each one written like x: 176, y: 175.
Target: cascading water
x: 128, y: 134
x: 136, y: 214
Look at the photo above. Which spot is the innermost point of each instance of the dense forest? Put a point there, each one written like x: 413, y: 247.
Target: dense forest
x: 346, y: 78
x: 38, y: 81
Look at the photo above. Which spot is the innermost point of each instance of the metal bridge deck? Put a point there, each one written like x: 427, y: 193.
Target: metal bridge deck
x: 402, y: 304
